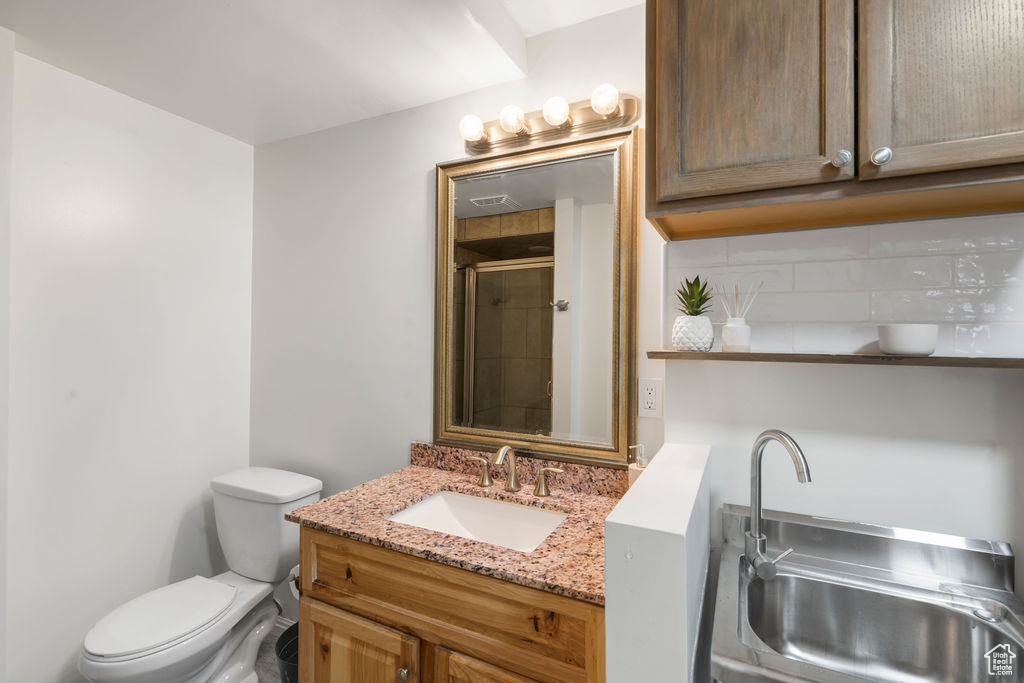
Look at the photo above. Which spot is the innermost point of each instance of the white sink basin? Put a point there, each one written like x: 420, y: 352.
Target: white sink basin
x: 509, y: 525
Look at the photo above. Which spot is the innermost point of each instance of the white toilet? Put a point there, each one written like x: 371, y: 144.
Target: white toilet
x: 209, y: 630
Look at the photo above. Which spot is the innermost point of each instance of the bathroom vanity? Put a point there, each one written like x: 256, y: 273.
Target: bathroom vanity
x: 431, y: 574
x: 386, y: 601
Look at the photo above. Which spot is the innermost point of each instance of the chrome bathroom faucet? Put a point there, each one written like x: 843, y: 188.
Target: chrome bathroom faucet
x: 755, y: 544
x: 512, y: 481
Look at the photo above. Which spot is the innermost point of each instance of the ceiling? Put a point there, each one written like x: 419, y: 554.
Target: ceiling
x: 264, y: 70
x: 590, y: 180
x: 541, y: 16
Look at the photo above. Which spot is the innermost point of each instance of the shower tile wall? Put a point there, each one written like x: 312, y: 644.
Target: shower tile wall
x: 513, y: 350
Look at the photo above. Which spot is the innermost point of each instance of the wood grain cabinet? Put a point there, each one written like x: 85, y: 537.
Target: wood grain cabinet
x: 753, y: 94
x: 756, y: 122
x: 369, y: 614
x: 941, y: 85
x: 340, y: 646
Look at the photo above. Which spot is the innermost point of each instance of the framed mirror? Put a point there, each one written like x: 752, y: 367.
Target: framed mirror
x: 536, y: 297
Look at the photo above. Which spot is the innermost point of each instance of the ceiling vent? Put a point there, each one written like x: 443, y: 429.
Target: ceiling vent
x: 498, y: 200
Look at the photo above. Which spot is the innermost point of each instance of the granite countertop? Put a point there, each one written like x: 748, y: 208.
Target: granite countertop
x: 569, y: 562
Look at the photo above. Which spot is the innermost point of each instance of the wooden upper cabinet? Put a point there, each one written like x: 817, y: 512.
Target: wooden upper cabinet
x: 339, y: 647
x: 751, y: 94
x: 941, y: 84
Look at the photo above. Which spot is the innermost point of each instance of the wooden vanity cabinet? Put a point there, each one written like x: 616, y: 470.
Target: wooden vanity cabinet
x: 340, y: 646
x: 749, y: 103
x: 453, y: 667
x: 368, y: 612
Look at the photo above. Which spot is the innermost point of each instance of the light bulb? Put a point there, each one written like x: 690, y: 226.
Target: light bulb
x: 471, y: 128
x: 556, y: 111
x: 512, y: 120
x: 605, y: 99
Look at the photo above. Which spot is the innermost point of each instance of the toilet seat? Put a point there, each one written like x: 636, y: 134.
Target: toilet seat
x: 159, y: 619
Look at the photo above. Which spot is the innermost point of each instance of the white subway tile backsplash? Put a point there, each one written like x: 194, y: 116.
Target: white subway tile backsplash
x: 811, y: 307
x: 899, y: 273
x: 961, y: 234
x: 990, y: 269
x: 853, y: 338
x: 771, y: 337
x: 826, y: 290
x: 828, y: 275
x: 687, y: 254
x: 835, y: 337
x: 801, y: 245
x: 990, y: 339
x: 764, y: 337
x: 950, y: 305
x: 776, y: 277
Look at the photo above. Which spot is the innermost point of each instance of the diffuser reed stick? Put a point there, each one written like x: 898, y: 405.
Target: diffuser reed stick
x: 748, y: 301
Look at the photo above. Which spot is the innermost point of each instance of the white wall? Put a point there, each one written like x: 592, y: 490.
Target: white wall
x: 130, y: 312
x: 940, y: 449
x: 597, y: 289
x: 6, y: 107
x: 343, y: 264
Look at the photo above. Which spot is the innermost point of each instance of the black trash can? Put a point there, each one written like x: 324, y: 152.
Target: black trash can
x: 287, y: 650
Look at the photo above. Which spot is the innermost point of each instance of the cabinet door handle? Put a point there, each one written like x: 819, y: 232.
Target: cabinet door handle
x: 880, y: 156
x: 841, y: 158
x: 402, y: 674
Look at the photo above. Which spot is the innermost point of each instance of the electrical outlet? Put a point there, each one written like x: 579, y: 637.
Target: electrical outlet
x: 648, y: 402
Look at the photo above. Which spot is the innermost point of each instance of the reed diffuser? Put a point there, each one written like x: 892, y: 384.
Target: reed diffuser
x: 736, y: 332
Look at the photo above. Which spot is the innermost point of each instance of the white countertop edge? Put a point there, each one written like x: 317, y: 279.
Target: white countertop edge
x: 663, y: 497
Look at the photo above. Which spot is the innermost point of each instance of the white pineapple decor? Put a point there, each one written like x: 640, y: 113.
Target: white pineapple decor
x: 692, y: 331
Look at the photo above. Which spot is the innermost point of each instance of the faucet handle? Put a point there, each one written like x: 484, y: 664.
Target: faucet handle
x: 485, y: 473
x: 541, y: 489
x: 766, y: 569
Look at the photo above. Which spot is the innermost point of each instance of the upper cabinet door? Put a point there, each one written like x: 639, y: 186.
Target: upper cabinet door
x: 750, y: 94
x: 941, y: 85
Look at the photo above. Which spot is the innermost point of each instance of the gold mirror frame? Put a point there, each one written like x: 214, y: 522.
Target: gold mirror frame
x: 623, y: 145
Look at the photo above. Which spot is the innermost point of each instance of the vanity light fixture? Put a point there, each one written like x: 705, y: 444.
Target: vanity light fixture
x: 513, y: 120
x: 471, y: 128
x: 556, y: 112
x: 605, y: 99
x: 558, y: 120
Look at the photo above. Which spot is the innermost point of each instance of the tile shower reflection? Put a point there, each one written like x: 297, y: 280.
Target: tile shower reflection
x: 524, y: 239
x: 509, y: 375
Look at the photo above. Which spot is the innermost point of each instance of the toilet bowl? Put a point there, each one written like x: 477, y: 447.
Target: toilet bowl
x: 202, y: 630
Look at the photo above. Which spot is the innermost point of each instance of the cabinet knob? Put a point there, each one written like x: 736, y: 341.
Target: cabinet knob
x: 880, y: 156
x: 841, y: 158
x: 403, y: 674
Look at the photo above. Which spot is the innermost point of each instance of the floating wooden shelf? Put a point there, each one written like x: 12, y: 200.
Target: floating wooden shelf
x: 842, y: 359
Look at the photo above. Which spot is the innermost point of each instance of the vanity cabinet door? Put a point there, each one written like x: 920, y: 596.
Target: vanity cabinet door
x: 941, y: 85
x: 453, y: 667
x: 749, y: 95
x: 339, y: 647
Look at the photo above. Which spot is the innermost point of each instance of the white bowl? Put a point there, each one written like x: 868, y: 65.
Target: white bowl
x: 908, y: 339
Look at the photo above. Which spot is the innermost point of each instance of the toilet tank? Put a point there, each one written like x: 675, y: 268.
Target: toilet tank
x: 249, y: 505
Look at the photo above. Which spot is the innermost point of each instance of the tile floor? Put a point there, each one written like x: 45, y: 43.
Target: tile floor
x: 266, y: 662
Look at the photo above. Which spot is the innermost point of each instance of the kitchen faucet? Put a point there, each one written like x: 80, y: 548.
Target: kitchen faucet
x: 512, y: 481
x: 755, y: 544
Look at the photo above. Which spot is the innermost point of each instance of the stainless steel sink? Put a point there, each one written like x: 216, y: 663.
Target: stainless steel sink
x: 860, y: 602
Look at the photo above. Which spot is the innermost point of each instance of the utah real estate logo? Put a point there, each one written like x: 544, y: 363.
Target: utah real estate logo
x: 1000, y: 660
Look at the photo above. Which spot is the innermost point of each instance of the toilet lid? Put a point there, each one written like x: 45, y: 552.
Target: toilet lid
x: 159, y: 617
